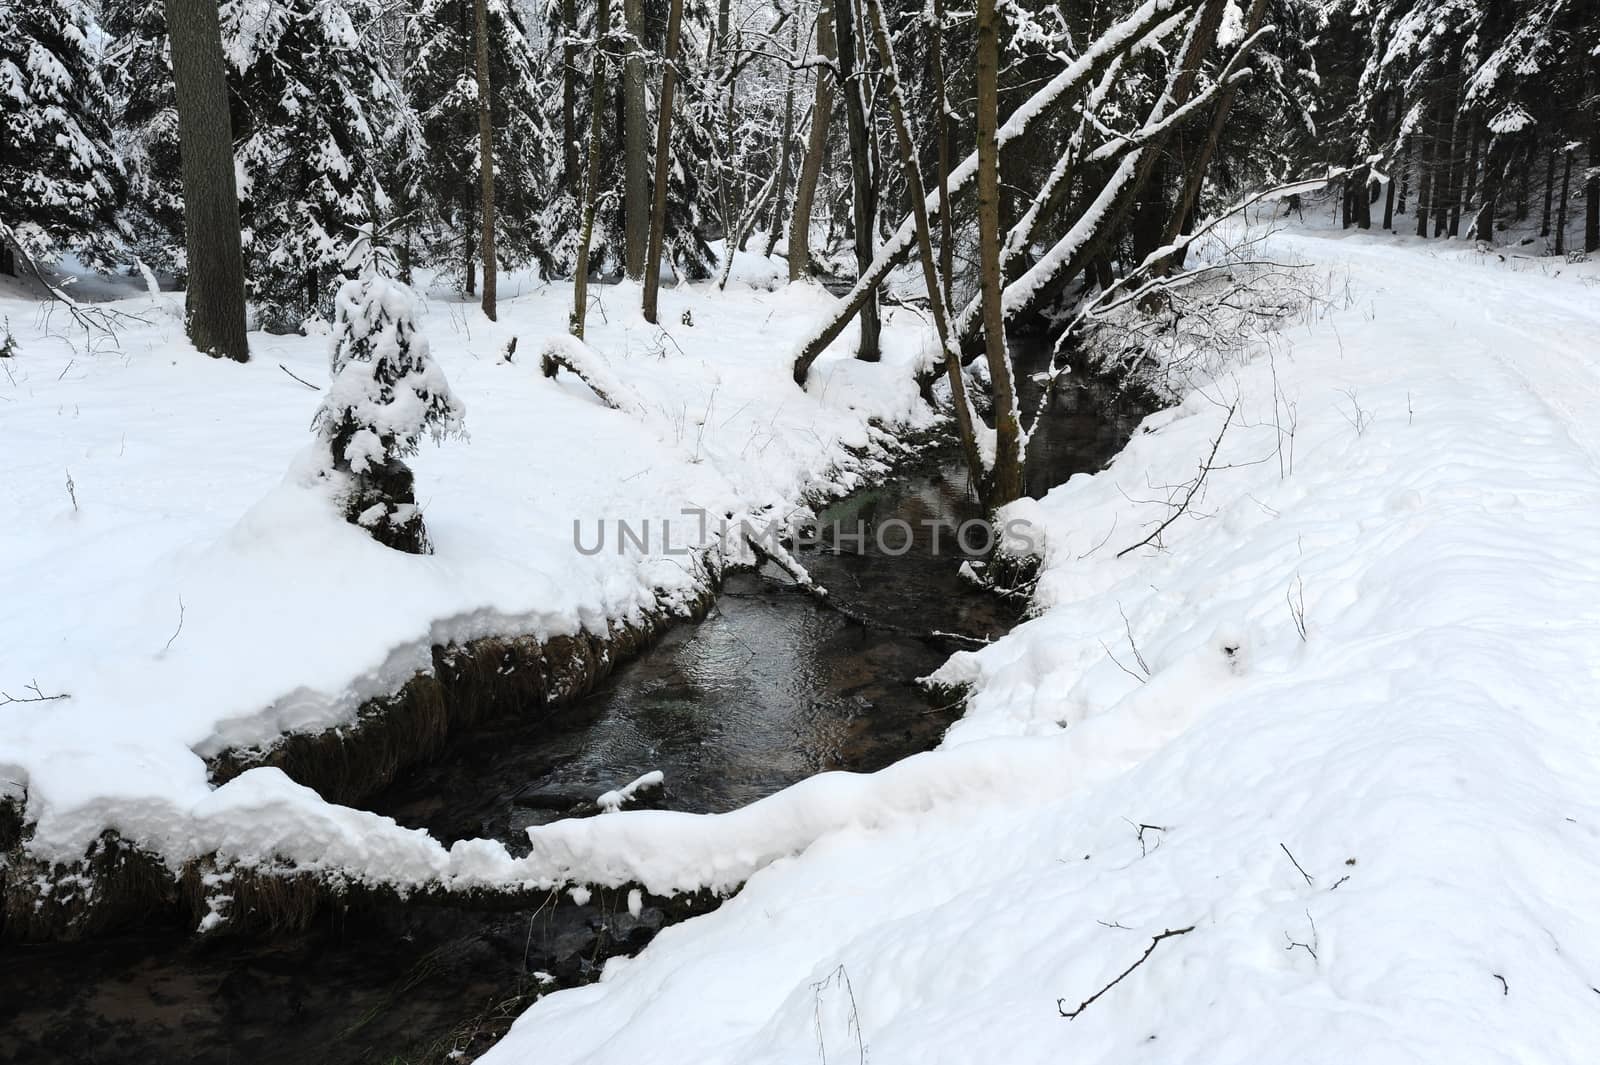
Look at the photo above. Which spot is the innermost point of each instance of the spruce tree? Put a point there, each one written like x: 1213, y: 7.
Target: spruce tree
x: 61, y: 181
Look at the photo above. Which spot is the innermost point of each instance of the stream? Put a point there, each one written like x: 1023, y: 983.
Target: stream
x: 770, y: 688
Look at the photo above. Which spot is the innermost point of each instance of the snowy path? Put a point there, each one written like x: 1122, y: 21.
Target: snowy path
x: 1428, y: 753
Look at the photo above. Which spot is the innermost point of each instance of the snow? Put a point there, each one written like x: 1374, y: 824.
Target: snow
x: 1382, y: 831
x: 191, y: 589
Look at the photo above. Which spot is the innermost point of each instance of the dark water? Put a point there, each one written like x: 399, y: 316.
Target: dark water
x: 769, y: 689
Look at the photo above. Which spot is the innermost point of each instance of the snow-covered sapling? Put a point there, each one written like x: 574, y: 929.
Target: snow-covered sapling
x: 387, y: 393
x: 8, y: 343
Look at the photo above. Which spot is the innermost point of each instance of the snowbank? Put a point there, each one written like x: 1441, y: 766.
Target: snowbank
x: 1340, y: 721
x: 169, y: 570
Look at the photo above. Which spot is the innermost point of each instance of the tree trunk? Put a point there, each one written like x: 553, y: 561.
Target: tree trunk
x: 569, y: 92
x: 597, y: 99
x: 1427, y: 168
x: 480, y: 17
x: 864, y: 205
x: 816, y: 151
x: 937, y: 304
x: 658, y: 215
x: 1561, y: 213
x: 215, y: 298
x: 942, y: 130
x: 1495, y: 166
x: 1388, y: 204
x: 635, y: 190
x: 1549, y: 188
x: 1006, y: 483
x: 1591, y: 186
x: 1195, y: 176
x: 786, y: 150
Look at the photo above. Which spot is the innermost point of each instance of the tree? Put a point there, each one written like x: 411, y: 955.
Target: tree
x: 816, y: 152
x: 864, y: 193
x: 480, y: 20
x: 61, y: 181
x: 591, y: 173
x: 658, y: 214
x: 386, y: 394
x: 1006, y: 478
x: 215, y: 296
x: 635, y: 190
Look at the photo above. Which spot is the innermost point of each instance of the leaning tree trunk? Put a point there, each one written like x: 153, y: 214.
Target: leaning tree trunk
x: 635, y: 190
x: 215, y: 297
x: 816, y: 151
x: 1005, y: 483
x: 597, y: 97
x: 658, y: 214
x: 480, y: 17
x: 864, y: 206
x: 937, y: 304
x: 942, y: 130
x: 1195, y: 176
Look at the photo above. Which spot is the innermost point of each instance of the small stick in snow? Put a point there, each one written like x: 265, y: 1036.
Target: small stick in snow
x: 1505, y: 988
x: 1297, y: 866
x: 179, y: 629
x: 6, y: 698
x: 72, y: 491
x: 1194, y: 487
x: 1151, y: 949
x: 297, y: 377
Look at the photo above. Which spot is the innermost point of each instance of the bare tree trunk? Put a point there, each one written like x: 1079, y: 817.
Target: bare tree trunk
x: 658, y: 216
x: 816, y: 152
x: 864, y: 201
x: 1006, y: 483
x: 937, y: 304
x: 569, y: 91
x: 1427, y: 173
x: 942, y: 130
x: 1561, y: 213
x: 635, y: 191
x: 1194, y: 178
x: 786, y: 150
x: 597, y: 99
x: 214, y: 301
x: 1591, y: 185
x: 480, y: 17
x: 1496, y: 165
x: 1549, y: 188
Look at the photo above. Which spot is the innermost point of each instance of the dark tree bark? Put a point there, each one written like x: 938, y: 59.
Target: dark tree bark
x: 816, y: 152
x: 658, y: 216
x: 937, y: 303
x: 942, y: 130
x: 1549, y: 189
x: 569, y: 90
x: 597, y: 98
x: 1591, y: 186
x: 1495, y: 166
x: 214, y: 301
x: 1428, y: 165
x: 785, y: 150
x: 635, y: 190
x: 864, y: 201
x: 1561, y: 211
x: 1005, y: 484
x: 480, y: 18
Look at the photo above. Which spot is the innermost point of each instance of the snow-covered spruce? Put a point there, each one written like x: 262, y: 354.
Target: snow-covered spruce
x: 60, y: 179
x: 387, y: 393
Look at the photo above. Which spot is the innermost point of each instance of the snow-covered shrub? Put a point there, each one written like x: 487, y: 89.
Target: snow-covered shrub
x: 387, y: 393
x: 8, y: 343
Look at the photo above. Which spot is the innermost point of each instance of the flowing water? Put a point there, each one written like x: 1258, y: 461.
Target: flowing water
x: 770, y: 688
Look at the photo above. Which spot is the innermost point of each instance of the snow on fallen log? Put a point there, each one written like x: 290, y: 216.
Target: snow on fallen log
x: 611, y: 802
x: 564, y: 352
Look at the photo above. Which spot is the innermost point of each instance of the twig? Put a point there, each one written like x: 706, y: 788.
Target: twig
x: 179, y: 629
x: 1151, y: 949
x: 1297, y: 865
x: 6, y: 698
x: 1194, y: 487
x: 297, y: 377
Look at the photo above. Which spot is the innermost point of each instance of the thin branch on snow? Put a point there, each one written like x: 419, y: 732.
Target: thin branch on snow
x: 38, y: 696
x: 1194, y: 488
x: 1151, y: 949
x: 297, y: 377
x: 1297, y: 866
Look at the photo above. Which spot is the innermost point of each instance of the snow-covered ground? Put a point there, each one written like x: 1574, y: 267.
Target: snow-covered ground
x: 162, y: 567
x: 1339, y: 734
